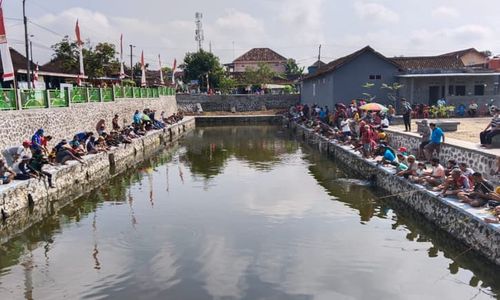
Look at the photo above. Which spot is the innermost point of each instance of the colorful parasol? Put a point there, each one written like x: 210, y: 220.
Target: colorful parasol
x: 373, y: 107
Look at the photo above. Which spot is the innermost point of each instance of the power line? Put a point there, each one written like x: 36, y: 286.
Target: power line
x: 47, y: 29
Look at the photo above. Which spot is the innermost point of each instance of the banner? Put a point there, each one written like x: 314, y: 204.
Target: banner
x: 173, y: 70
x: 35, y: 76
x: 122, y: 71
x: 79, y: 42
x: 161, y: 71
x: 143, y: 70
x: 8, y: 68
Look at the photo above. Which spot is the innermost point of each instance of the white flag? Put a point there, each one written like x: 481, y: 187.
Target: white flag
x: 8, y: 68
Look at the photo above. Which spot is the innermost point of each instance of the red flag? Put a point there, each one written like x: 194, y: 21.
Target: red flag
x: 8, y: 68
x: 35, y: 76
x: 77, y: 32
x: 80, y: 50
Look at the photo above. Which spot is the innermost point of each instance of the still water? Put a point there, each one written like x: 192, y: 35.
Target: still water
x: 240, y: 213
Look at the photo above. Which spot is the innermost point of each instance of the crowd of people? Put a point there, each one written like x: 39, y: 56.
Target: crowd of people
x: 364, y: 131
x: 28, y: 160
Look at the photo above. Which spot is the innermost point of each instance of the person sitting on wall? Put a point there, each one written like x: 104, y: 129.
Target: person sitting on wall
x: 388, y: 155
x: 64, y: 153
x: 90, y: 146
x: 437, y: 138
x: 21, y: 169
x: 36, y: 140
x: 419, y: 173
x: 77, y: 147
x: 491, y: 130
x: 481, y: 193
x: 450, y: 165
x: 45, y: 144
x: 13, y: 154
x: 101, y: 145
x: 458, y: 183
x: 36, y: 166
x: 436, y: 176
x: 137, y: 119
x: 411, y: 168
x: 115, y: 123
x: 6, y: 173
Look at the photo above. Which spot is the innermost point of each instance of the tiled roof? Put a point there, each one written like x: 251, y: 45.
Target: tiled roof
x: 18, y: 61
x: 318, y: 64
x: 260, y: 54
x: 461, y: 53
x: 346, y: 59
x: 55, y: 66
x: 448, y: 62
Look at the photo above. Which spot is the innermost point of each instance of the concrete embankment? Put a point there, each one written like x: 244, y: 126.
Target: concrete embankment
x: 238, y: 120
x: 27, y: 202
x: 461, y: 221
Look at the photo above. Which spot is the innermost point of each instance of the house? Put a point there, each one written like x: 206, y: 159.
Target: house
x: 459, y: 77
x: 19, y: 63
x: 343, y: 79
x: 256, y: 56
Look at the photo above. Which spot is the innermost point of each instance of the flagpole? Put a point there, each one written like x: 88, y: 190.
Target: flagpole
x: 28, y: 65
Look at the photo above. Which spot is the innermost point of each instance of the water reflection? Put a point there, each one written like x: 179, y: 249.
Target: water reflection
x: 275, y: 220
x: 259, y: 146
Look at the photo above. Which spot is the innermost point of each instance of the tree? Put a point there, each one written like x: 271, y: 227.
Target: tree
x: 393, y: 90
x: 66, y: 53
x: 292, y: 69
x: 199, y: 65
x: 101, y: 61
x: 262, y: 75
x: 227, y: 84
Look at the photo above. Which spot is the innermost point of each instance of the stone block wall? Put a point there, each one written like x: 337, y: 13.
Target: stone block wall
x: 458, y: 222
x: 479, y: 161
x: 64, y: 122
x: 29, y: 201
x: 188, y: 103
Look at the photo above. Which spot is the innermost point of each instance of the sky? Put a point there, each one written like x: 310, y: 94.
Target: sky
x: 293, y: 28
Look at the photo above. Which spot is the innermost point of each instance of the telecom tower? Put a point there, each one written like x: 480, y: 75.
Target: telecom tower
x: 199, y: 37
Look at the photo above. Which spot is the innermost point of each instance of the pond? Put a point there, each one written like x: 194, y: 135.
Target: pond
x: 240, y: 212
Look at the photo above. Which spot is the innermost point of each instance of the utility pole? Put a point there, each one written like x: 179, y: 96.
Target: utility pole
x: 319, y: 53
x: 131, y: 62
x: 28, y: 64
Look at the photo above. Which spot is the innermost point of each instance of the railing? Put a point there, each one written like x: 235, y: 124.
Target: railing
x: 8, y: 99
x: 33, y: 99
x: 59, y: 98
x: 79, y: 95
x: 11, y: 99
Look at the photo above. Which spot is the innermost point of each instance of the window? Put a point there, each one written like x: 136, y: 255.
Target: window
x: 375, y: 77
x: 459, y: 90
x: 479, y: 90
x: 451, y: 90
x: 378, y: 77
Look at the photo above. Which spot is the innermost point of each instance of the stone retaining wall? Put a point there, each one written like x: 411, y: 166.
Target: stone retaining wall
x: 479, y: 161
x: 64, y: 122
x: 460, y: 223
x: 188, y: 103
x: 75, y: 179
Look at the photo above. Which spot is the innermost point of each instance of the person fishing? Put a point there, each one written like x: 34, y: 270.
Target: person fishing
x: 36, y: 166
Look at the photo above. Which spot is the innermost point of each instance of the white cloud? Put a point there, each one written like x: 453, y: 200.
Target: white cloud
x: 303, y: 19
x: 445, y: 12
x: 375, y: 12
